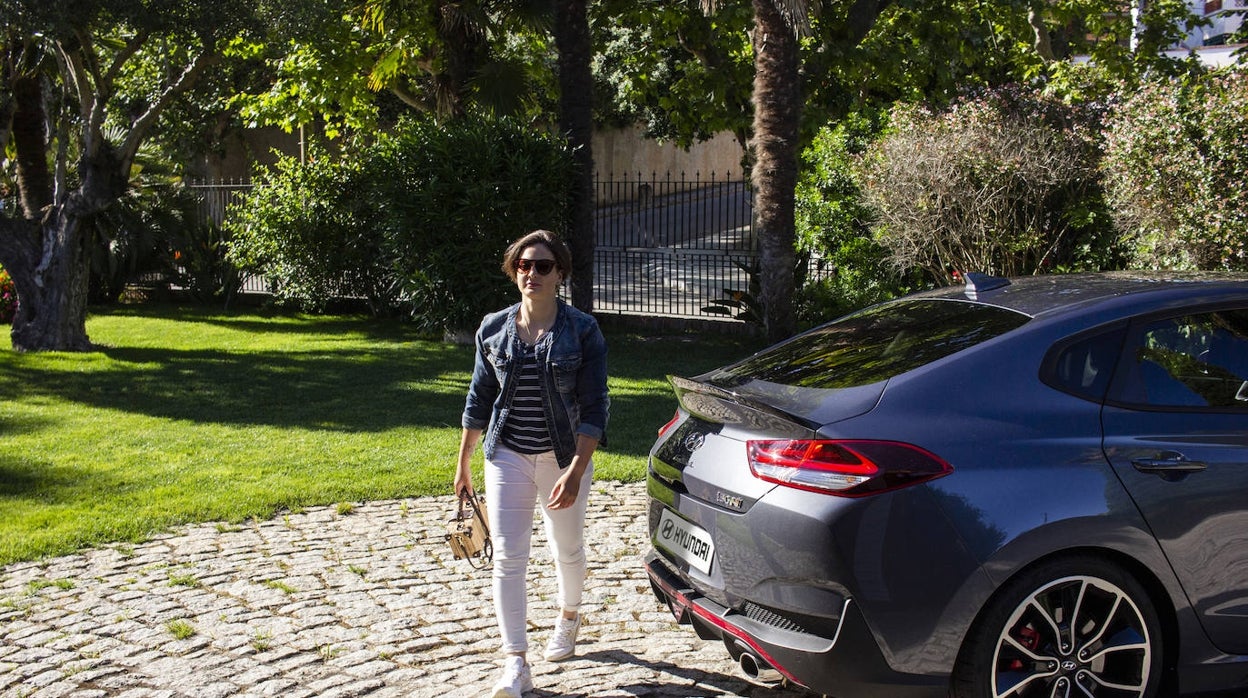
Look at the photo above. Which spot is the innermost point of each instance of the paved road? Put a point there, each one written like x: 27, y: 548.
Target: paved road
x: 329, y: 603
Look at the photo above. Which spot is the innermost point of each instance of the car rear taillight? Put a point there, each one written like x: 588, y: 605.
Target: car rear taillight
x: 847, y: 468
x: 675, y: 418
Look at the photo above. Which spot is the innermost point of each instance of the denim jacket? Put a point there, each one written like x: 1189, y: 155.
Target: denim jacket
x: 572, y: 362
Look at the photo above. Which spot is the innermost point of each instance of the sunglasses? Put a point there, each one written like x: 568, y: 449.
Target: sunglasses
x: 543, y: 266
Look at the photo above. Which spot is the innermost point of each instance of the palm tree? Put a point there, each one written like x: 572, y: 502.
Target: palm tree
x: 777, y: 115
x: 778, y: 26
x: 575, y: 48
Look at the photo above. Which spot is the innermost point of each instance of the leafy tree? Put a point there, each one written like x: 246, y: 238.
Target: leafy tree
x: 1174, y: 166
x: 354, y: 66
x: 443, y: 56
x: 680, y: 70
x: 1122, y: 43
x: 452, y: 60
x: 62, y: 112
x: 315, y: 74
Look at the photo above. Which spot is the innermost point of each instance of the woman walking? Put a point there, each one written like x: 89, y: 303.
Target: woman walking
x: 538, y: 404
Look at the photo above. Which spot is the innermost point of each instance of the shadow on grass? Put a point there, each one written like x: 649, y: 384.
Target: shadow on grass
x: 636, y: 356
x: 372, y: 385
x: 371, y: 390
x: 643, y: 364
x: 261, y: 320
x: 22, y: 478
x: 53, y: 483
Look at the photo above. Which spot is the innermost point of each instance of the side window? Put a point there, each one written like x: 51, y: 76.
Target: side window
x: 1189, y: 361
x: 1084, y: 367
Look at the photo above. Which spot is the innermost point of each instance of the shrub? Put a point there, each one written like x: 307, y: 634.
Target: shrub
x: 153, y: 231
x: 1176, y: 154
x: 308, y: 227
x: 415, y: 222
x: 130, y: 237
x: 8, y: 298
x: 1004, y: 183
x: 198, y: 262
x: 459, y: 196
x: 834, y: 227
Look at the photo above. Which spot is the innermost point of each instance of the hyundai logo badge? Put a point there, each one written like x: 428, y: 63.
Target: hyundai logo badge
x: 694, y: 441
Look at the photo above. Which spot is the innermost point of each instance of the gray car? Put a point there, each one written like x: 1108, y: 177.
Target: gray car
x: 1024, y: 487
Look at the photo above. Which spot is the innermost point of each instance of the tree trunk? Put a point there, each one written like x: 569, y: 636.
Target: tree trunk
x: 30, y: 126
x: 576, y: 121
x: 47, y: 251
x: 44, y: 250
x: 50, y: 270
x: 777, y: 111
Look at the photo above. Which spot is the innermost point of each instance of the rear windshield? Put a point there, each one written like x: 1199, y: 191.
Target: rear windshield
x: 874, y: 344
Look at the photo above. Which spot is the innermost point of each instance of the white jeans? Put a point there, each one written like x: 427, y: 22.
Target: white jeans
x: 514, y: 484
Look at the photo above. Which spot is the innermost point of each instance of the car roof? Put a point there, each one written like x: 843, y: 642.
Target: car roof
x: 1052, y: 294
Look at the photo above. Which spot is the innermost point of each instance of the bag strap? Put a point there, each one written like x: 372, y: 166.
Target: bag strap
x: 473, y: 504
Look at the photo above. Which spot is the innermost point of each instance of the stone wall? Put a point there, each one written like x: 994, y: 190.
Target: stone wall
x: 618, y: 153
x: 626, y: 153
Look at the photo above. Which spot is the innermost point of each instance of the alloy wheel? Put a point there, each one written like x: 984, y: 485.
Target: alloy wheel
x: 1076, y: 636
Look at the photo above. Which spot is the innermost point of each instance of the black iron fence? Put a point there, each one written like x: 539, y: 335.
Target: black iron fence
x: 671, y: 246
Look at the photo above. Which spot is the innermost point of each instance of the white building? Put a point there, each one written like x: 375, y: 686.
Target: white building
x: 1214, y: 42
x: 1225, y: 18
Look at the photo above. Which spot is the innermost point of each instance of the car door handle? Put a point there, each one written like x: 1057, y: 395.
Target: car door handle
x: 1169, y: 466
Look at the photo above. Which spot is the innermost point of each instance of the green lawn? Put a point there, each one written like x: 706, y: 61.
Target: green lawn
x: 190, y: 415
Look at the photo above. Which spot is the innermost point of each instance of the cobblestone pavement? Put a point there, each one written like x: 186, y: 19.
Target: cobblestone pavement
x: 327, y: 602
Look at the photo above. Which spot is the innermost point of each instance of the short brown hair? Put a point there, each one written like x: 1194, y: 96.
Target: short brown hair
x: 563, y: 256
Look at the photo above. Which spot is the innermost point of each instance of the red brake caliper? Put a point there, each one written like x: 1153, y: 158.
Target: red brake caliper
x: 1029, y: 638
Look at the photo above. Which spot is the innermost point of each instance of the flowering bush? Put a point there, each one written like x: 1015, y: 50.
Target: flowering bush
x: 8, y: 297
x: 1175, y: 160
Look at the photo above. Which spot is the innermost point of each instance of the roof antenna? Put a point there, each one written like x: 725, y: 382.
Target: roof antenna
x: 977, y: 283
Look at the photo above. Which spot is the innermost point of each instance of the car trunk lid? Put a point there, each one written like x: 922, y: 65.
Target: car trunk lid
x: 705, y: 456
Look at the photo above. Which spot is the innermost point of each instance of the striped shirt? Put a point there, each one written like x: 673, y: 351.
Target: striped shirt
x: 526, y: 430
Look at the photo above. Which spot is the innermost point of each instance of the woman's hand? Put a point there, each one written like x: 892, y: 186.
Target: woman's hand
x: 463, y: 482
x: 566, y: 489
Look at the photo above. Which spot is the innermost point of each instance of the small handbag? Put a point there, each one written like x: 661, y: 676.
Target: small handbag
x: 468, y: 531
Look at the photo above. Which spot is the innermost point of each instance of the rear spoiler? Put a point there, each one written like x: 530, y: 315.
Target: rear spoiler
x: 715, y: 404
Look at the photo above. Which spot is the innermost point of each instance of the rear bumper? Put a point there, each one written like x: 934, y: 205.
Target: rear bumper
x: 847, y: 665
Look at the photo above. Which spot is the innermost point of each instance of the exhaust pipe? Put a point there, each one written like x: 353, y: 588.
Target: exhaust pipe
x: 759, y: 672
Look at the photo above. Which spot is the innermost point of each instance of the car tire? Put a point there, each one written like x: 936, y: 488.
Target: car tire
x: 1076, y: 626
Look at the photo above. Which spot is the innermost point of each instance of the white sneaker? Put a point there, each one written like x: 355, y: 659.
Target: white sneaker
x: 516, y: 679
x: 562, y: 643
